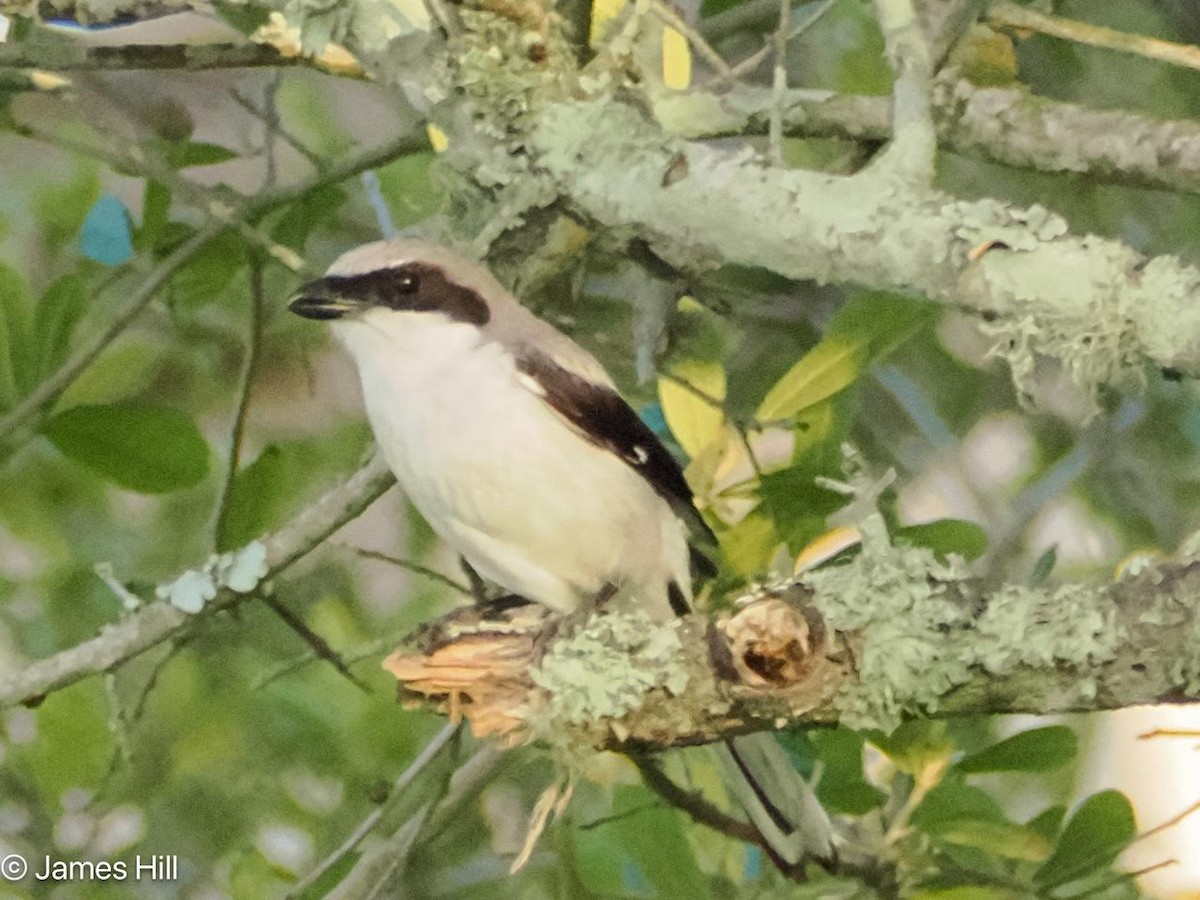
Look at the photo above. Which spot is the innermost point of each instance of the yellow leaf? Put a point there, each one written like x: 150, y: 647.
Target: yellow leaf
x: 749, y: 545
x: 603, y: 12
x: 676, y: 60
x: 824, y: 548
x: 827, y: 368
x: 694, y: 414
x: 437, y: 138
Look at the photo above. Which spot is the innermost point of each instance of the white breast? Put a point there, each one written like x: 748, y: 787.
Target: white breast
x: 530, y: 503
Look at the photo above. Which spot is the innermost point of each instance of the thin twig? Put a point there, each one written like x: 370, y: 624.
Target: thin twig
x: 947, y: 21
x: 318, y: 644
x: 697, y: 808
x: 131, y: 716
x: 12, y: 431
x: 927, y: 779
x: 751, y: 15
x: 253, y: 342
x: 271, y: 127
x: 367, y: 825
x: 204, y: 199
x: 1010, y: 15
x: 372, y: 874
x: 669, y: 17
x: 441, y: 14
x: 719, y: 404
x: 413, y: 567
x: 290, y: 138
x: 156, y: 622
x: 779, y: 84
x: 1170, y: 823
x: 1169, y: 732
x: 358, y: 654
x: 752, y: 62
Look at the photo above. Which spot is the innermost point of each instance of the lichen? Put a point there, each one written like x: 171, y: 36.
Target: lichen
x: 607, y: 668
x: 240, y: 571
x: 1169, y: 610
x: 921, y: 638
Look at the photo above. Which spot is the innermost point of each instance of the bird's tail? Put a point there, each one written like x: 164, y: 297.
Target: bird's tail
x: 759, y: 774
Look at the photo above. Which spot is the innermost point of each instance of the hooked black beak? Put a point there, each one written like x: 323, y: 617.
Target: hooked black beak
x: 319, y: 300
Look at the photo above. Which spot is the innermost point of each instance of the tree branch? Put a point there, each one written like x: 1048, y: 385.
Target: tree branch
x: 891, y: 634
x: 1096, y: 306
x: 1011, y: 15
x: 68, y: 56
x: 914, y: 141
x: 159, y: 621
x: 1002, y: 125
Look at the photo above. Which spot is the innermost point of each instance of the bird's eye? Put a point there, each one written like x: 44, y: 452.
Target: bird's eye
x: 407, y: 283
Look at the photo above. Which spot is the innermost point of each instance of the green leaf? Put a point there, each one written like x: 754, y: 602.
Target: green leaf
x: 1036, y: 750
x: 971, y: 892
x: 156, y: 209
x: 748, y: 546
x: 200, y: 153
x: 946, y: 536
x: 15, y: 356
x: 694, y: 420
x: 914, y: 745
x: 61, y: 208
x: 843, y: 787
x: 246, y: 19
x: 206, y: 275
x: 1048, y: 821
x: 998, y: 838
x: 1044, y: 565
x: 297, y: 221
x: 58, y: 312
x: 121, y: 371
x: 866, y: 328
x: 952, y: 801
x: 1098, y: 831
x: 648, y: 836
x: 151, y: 449
x: 827, y: 368
x: 257, y: 492
x: 411, y: 191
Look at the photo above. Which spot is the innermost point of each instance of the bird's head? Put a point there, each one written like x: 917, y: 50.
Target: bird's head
x: 401, y: 275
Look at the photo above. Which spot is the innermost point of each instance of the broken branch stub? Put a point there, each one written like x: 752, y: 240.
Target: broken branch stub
x: 616, y: 680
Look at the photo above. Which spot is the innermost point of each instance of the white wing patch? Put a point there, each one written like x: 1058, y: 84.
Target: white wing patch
x: 531, y: 384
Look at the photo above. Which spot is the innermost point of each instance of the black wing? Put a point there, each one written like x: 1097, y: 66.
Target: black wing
x: 602, y: 416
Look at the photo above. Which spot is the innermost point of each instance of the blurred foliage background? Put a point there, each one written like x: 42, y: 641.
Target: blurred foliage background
x: 240, y: 750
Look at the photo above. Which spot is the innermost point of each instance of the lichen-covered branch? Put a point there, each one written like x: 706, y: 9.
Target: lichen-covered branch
x: 914, y: 141
x: 1003, y: 125
x: 893, y: 633
x: 159, y: 621
x: 1096, y: 306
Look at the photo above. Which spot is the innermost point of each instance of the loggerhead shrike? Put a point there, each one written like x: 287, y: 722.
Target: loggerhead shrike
x: 514, y: 444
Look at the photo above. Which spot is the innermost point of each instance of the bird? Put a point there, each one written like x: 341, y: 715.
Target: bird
x: 516, y: 446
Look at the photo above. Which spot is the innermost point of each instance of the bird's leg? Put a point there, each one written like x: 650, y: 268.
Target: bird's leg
x: 486, y: 602
x: 504, y: 603
x: 478, y: 586
x: 603, y: 595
